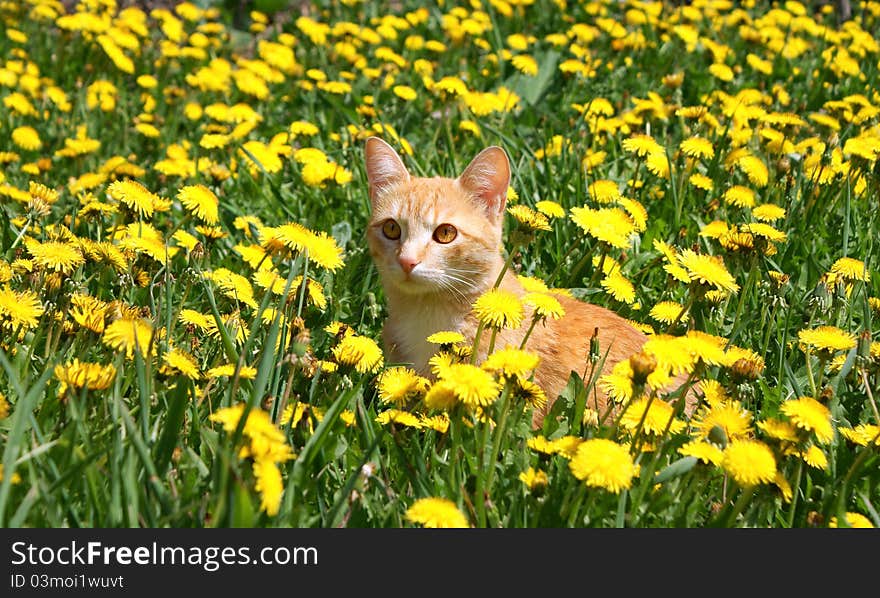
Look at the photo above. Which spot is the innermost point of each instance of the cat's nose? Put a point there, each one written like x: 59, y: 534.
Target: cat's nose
x: 408, y: 263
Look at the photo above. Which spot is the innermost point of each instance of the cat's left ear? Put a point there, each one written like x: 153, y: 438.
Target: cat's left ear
x: 487, y: 177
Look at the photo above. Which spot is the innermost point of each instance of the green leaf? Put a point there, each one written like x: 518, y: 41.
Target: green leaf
x: 675, y: 469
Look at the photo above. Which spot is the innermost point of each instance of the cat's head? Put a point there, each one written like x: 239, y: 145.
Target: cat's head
x: 436, y: 235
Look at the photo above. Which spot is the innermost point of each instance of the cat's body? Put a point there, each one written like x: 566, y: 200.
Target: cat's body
x: 437, y: 245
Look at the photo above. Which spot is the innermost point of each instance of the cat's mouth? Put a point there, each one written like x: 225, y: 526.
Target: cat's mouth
x: 415, y: 283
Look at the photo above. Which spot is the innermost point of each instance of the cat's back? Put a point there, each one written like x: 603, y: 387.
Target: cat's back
x: 564, y: 344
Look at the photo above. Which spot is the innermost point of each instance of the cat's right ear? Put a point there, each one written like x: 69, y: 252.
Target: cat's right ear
x: 384, y: 166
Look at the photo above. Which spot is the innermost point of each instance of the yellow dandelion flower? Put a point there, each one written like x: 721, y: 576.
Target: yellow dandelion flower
x: 405, y: 92
x: 826, y: 338
x: 809, y: 414
x: 269, y: 484
x: 779, y: 429
x: 15, y: 478
x: 235, y: 286
x: 436, y: 512
x: 550, y: 209
x: 227, y: 370
x: 617, y: 285
x: 529, y: 393
x: 396, y: 416
x: 399, y: 385
x: 749, y: 462
x: 529, y: 218
x: 701, y: 181
x: 359, y: 351
x: 643, y: 145
x: 441, y: 395
x: 854, y: 520
x: 201, y: 201
x: 740, y: 196
x: 604, y: 191
x: 499, y: 309
x: 609, y: 225
x: 177, y: 361
x: 704, y: 451
x: 667, y: 312
x: 768, y: 212
x: 708, y: 270
x: 698, y: 147
x: 862, y: 434
x: 511, y: 362
x: 534, y: 479
x: 815, y: 458
x: 55, y: 256
x: 129, y: 335
x: 713, y: 392
x: 525, y: 64
x: 729, y: 418
x: 322, y: 248
x: 470, y: 126
x: 545, y: 306
x: 472, y: 386
x: 760, y: 229
x: 721, y: 71
x: 77, y: 374
x: 88, y: 312
x: 654, y: 415
x: 135, y: 196
x: 850, y: 269
x: 602, y: 463
x: 438, y: 423
x: 658, y: 164
x: 27, y: 138
x: 755, y: 170
x: 199, y: 320
x: 446, y: 337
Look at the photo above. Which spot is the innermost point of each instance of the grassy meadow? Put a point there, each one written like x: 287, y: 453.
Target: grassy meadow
x: 190, y: 319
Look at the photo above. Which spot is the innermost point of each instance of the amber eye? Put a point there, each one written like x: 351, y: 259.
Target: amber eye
x: 445, y: 233
x: 391, y: 229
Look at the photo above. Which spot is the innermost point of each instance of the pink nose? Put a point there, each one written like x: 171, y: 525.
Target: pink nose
x: 408, y: 263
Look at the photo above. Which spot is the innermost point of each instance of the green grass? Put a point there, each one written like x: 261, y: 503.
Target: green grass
x: 144, y: 452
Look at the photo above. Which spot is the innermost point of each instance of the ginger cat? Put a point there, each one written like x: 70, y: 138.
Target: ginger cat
x: 437, y: 245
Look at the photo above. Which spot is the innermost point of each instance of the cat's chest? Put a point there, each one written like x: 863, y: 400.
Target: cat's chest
x: 409, y: 325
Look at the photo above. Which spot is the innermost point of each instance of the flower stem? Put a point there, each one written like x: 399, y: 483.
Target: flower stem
x: 528, y: 333
x: 795, y: 488
x: 476, y: 344
x: 740, y: 505
x: 497, y: 436
x: 480, y: 491
x: 505, y: 267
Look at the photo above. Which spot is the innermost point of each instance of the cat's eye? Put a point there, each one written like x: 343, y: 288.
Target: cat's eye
x: 445, y: 233
x: 391, y: 229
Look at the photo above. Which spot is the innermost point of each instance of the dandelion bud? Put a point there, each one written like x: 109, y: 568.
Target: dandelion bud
x: 826, y: 395
x: 674, y: 80
x: 594, y: 346
x: 783, y: 165
x: 591, y: 418
x: 815, y: 519
x: 864, y: 346
x: 642, y: 365
x: 745, y: 370
x: 198, y: 251
x: 717, y: 436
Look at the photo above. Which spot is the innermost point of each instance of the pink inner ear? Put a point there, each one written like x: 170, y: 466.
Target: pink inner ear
x: 384, y: 167
x: 488, y: 177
